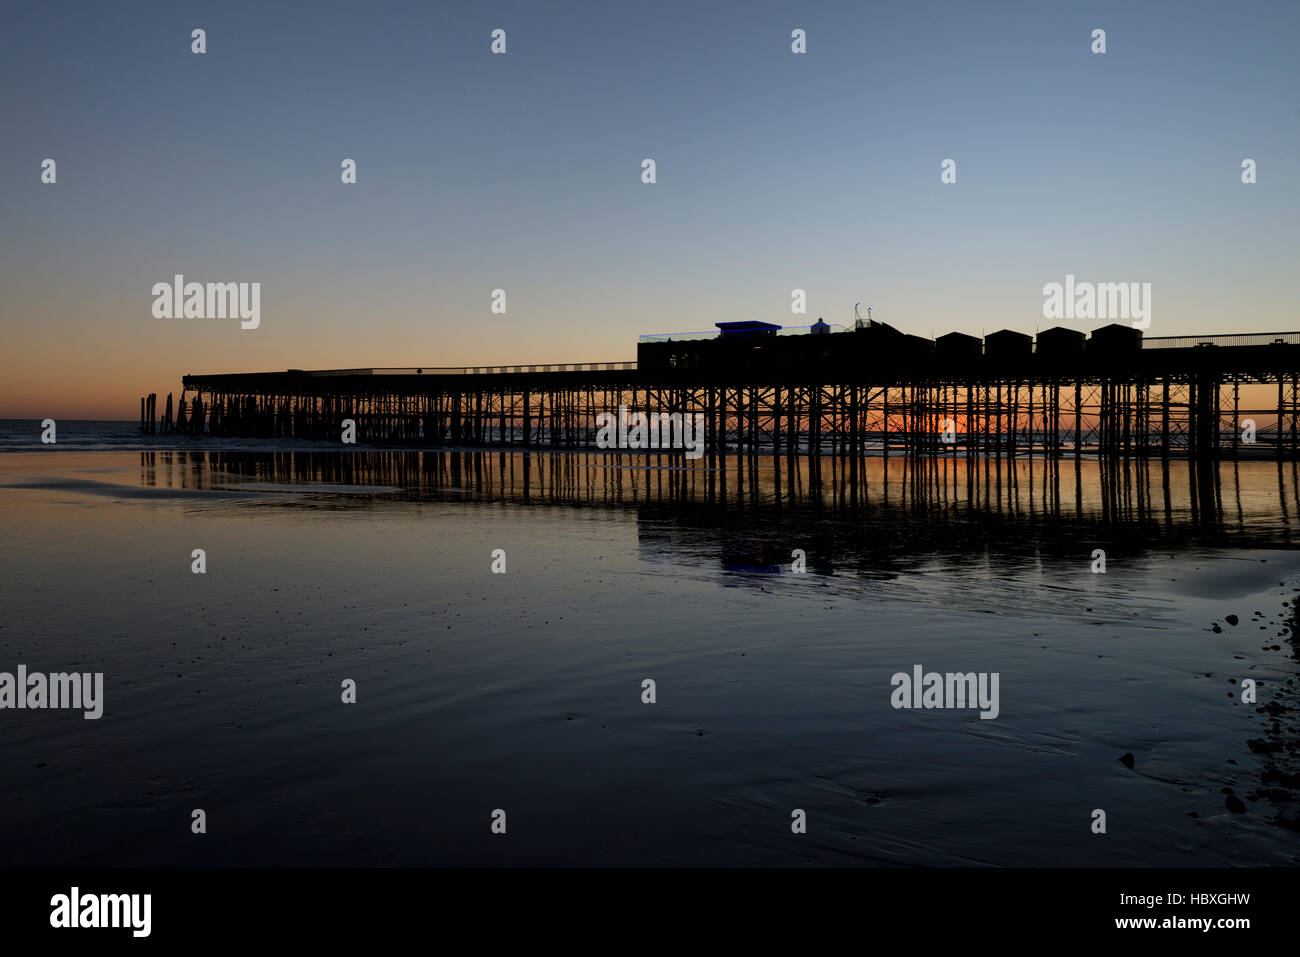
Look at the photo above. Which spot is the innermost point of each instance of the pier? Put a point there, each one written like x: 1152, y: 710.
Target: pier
x: 846, y: 394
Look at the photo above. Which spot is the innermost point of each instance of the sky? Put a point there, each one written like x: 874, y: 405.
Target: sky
x: 522, y: 171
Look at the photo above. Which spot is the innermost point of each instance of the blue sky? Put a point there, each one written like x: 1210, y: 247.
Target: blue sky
x: 775, y: 171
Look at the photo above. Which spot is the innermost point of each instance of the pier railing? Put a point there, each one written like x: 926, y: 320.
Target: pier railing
x: 477, y: 370
x: 1246, y: 339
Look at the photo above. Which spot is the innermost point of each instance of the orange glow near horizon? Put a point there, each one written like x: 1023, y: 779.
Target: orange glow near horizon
x: 84, y: 358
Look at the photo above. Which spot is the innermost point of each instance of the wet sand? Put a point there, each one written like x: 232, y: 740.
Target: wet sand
x: 523, y: 691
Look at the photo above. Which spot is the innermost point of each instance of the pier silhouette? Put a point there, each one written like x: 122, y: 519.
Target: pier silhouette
x: 842, y: 395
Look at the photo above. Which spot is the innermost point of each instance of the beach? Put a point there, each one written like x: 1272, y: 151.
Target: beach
x: 523, y: 691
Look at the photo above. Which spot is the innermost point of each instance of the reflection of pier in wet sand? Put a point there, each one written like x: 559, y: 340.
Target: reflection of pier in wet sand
x: 930, y: 502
